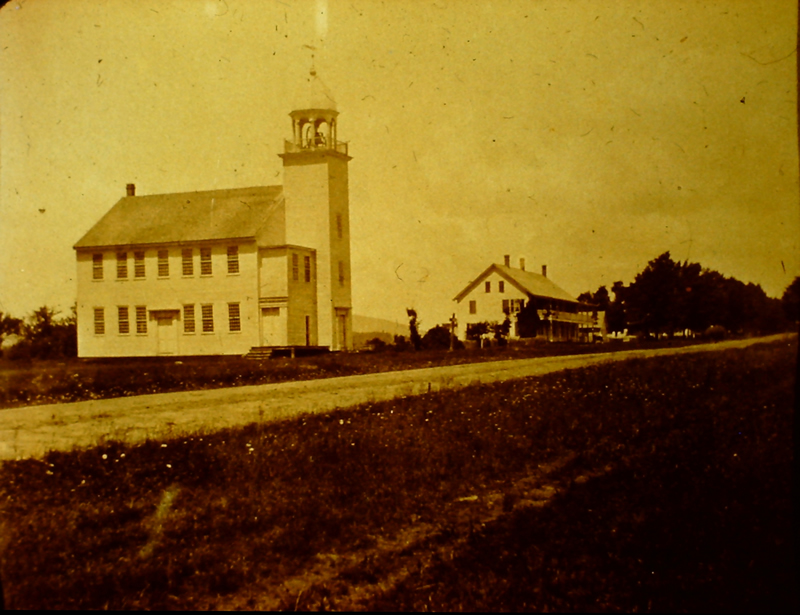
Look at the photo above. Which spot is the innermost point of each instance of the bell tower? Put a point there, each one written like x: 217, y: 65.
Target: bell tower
x: 316, y: 193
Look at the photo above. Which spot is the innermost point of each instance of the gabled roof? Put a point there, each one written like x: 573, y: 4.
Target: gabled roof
x: 237, y: 213
x: 527, y: 282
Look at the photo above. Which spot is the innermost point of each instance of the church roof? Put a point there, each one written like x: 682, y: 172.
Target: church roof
x: 527, y: 282
x: 187, y: 216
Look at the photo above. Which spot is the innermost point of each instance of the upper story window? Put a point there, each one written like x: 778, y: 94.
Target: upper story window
x: 97, y: 266
x: 234, y: 318
x: 205, y: 261
x: 138, y: 264
x: 233, y: 259
x: 295, y: 267
x: 123, y: 320
x: 473, y: 307
x: 501, y: 287
x: 141, y: 319
x: 122, y: 265
x: 99, y: 321
x: 488, y: 287
x: 307, y: 265
x: 163, y: 263
x: 187, y: 261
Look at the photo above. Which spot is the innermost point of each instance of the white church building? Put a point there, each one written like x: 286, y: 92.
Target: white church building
x: 221, y: 272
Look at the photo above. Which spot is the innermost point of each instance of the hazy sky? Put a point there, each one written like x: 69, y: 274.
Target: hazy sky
x: 590, y: 136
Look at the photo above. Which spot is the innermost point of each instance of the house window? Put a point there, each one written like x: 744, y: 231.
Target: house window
x: 234, y: 318
x: 141, y: 319
x: 506, y: 306
x: 123, y: 322
x: 339, y: 226
x: 295, y: 267
x: 205, y: 261
x: 488, y: 287
x: 188, y: 318
x: 501, y: 287
x: 207, y: 311
x: 187, y: 255
x: 122, y: 265
x: 97, y: 266
x: 99, y: 321
x: 233, y: 259
x: 473, y: 307
x: 307, y: 266
x: 341, y: 273
x: 163, y: 263
x: 138, y: 264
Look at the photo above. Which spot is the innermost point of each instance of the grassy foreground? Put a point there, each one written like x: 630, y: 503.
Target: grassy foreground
x: 675, y: 495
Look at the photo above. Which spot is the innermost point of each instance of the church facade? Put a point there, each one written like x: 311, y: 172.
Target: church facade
x: 221, y: 272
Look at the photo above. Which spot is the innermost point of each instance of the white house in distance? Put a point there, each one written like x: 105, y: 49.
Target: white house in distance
x: 502, y: 289
x: 222, y: 272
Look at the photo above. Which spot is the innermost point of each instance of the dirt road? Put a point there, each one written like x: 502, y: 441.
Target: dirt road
x: 32, y: 431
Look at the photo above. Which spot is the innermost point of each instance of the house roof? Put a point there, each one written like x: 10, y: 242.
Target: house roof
x: 527, y: 282
x: 186, y: 216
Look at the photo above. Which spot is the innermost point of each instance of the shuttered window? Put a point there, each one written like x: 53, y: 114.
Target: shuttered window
x: 234, y: 318
x: 123, y: 320
x: 307, y: 267
x: 188, y: 318
x: 207, y: 312
x: 97, y: 266
x: 141, y: 319
x: 205, y: 261
x: 122, y: 265
x: 295, y: 267
x: 99, y: 321
x: 138, y: 264
x: 233, y: 259
x: 163, y: 263
x: 187, y: 255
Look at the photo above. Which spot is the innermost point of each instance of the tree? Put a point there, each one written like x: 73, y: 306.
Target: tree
x: 416, y: 340
x: 9, y: 325
x: 501, y: 331
x: 616, y: 320
x: 790, y: 301
x: 48, y: 337
x: 476, y: 330
x: 528, y: 320
x: 437, y: 338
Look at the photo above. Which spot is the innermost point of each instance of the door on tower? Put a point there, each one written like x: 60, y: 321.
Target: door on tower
x: 342, y: 334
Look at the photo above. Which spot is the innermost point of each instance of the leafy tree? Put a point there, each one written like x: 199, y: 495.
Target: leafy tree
x: 616, y: 320
x: 790, y: 300
x: 416, y: 340
x: 9, y: 325
x: 501, y: 331
x: 528, y: 320
x: 476, y: 330
x: 437, y: 338
x: 48, y: 337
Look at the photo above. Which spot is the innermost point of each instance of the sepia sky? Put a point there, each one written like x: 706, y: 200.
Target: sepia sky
x: 590, y: 136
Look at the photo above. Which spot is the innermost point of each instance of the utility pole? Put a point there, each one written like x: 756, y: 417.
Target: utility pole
x: 453, y: 325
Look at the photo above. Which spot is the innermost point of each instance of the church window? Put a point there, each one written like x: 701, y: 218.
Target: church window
x: 295, y: 267
x: 188, y: 318
x: 99, y: 321
x: 122, y: 265
x: 188, y: 261
x: 123, y: 322
x: 163, y: 263
x: 307, y: 266
x: 488, y: 287
x: 233, y: 259
x: 207, y: 311
x: 205, y: 261
x: 97, y: 266
x: 138, y: 264
x: 141, y: 319
x: 473, y: 307
x: 234, y: 318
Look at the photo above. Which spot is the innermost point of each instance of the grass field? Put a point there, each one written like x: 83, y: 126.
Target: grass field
x: 660, y: 484
x: 24, y: 383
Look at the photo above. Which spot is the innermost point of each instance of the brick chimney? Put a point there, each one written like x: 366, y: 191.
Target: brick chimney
x: 522, y: 264
x: 131, y: 189
x: 507, y: 259
x: 544, y: 271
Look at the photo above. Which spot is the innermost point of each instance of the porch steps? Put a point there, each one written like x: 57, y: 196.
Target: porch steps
x: 262, y: 353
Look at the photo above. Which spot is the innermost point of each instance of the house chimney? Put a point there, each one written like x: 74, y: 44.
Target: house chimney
x: 131, y: 189
x: 522, y: 264
x: 544, y: 271
x: 507, y: 258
